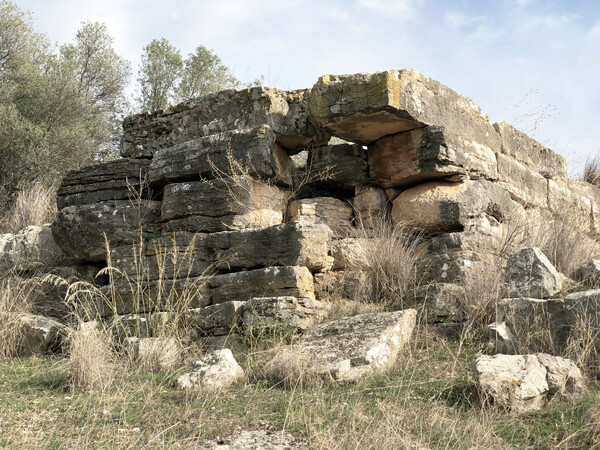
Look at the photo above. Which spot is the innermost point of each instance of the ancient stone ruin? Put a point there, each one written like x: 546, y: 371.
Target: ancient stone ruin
x: 252, y: 203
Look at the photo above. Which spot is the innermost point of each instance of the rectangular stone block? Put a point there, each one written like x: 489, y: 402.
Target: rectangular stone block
x: 184, y: 254
x: 329, y: 211
x: 301, y: 313
x: 342, y: 165
x: 120, y: 179
x: 221, y: 205
x: 255, y: 149
x: 283, y: 111
x: 270, y: 282
x: 523, y: 184
x: 428, y: 153
x: 215, y: 320
x: 531, y: 153
x: 569, y: 205
x: 365, y: 107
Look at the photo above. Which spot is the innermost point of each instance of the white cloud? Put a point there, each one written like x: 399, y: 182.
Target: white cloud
x: 399, y: 9
x: 524, y: 3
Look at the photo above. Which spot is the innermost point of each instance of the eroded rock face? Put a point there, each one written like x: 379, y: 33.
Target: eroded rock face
x: 448, y: 206
x: 371, y: 208
x: 426, y: 154
x: 322, y: 210
x: 254, y: 148
x: 214, y: 372
x: 530, y: 274
x: 221, y: 205
x: 523, y: 383
x: 365, y: 107
x: 82, y: 231
x: 283, y: 111
x: 346, y: 349
x: 439, y: 302
x: 341, y: 165
x: 32, y: 248
x: 300, y: 313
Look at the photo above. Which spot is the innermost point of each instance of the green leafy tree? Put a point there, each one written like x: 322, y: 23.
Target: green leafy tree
x: 203, y: 73
x: 159, y: 73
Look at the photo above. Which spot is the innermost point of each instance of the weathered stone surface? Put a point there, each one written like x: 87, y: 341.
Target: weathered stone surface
x: 583, y: 313
x: 340, y: 165
x: 322, y: 210
x: 349, y: 253
x: 40, y: 334
x: 524, y: 185
x: 213, y: 372
x: 426, y: 154
x: 523, y: 383
x: 184, y: 254
x: 365, y: 107
x: 284, y: 112
x: 301, y: 313
x: 531, y: 153
x: 530, y: 274
x: 32, y: 248
x: 346, y: 349
x: 589, y: 273
x: 501, y: 338
x: 270, y: 282
x: 535, y: 321
x: 82, y: 230
x: 371, y: 208
x: 215, y: 319
x: 120, y: 179
x: 447, y: 206
x: 221, y: 205
x: 571, y: 206
x: 255, y: 149
x: 153, y: 353
x: 439, y: 302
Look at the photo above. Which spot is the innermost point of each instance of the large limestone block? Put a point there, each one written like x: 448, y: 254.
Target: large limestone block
x: 345, y: 349
x: 283, y: 111
x: 365, y: 107
x: 572, y: 207
x: 270, y: 282
x: 82, y: 230
x: 32, y: 248
x: 524, y: 185
x: 523, y: 383
x: 449, y: 206
x: 300, y: 313
x: 184, y: 254
x: 213, y: 372
x: 254, y: 149
x: 428, y: 153
x: 438, y: 302
x: 120, y: 179
x: 529, y: 273
x: 531, y: 153
x: 40, y: 334
x: 342, y: 165
x: 350, y: 253
x: 322, y: 210
x: 216, y: 319
x: 221, y: 205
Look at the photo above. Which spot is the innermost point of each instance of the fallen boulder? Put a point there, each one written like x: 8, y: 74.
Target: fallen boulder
x: 214, y: 372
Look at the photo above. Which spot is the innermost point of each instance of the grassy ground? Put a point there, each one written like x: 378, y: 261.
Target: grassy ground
x: 427, y: 400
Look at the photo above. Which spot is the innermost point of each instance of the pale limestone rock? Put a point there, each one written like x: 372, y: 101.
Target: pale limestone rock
x: 447, y: 206
x: 371, y: 207
x: 365, y: 107
x: 531, y: 153
x: 345, y: 349
x: 40, y: 334
x: 523, y: 383
x: 82, y: 231
x: 32, y: 248
x: 300, y: 313
x: 524, y: 185
x: 255, y: 149
x: 153, y: 352
x: 213, y: 372
x: 216, y: 319
x: 426, y: 154
x: 221, y: 205
x: 349, y: 253
x: 257, y: 439
x: 529, y: 273
x: 501, y: 338
x: 438, y: 302
x: 326, y: 210
x: 283, y: 111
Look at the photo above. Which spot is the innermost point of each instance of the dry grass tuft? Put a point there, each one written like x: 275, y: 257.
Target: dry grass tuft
x: 15, y: 303
x: 591, y: 171
x: 35, y: 205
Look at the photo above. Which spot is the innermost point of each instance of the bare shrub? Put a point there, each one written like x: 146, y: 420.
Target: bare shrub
x: 388, y: 258
x: 91, y: 364
x: 35, y: 205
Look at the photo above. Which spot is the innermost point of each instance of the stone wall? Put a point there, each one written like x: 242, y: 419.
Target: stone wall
x: 216, y: 185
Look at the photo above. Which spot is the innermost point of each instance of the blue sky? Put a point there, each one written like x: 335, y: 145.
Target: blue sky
x: 533, y: 63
